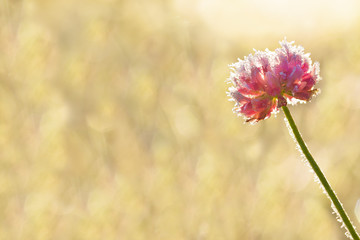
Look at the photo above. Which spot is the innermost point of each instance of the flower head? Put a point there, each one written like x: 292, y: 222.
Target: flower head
x: 266, y: 81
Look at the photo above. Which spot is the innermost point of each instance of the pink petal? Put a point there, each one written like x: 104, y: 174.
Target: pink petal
x: 237, y: 96
x: 261, y: 109
x: 295, y: 75
x: 306, y: 95
x: 249, y: 92
x: 257, y: 77
x: 305, y: 66
x: 260, y: 104
x: 307, y: 84
x: 282, y: 66
x: 273, y: 86
x: 247, y: 110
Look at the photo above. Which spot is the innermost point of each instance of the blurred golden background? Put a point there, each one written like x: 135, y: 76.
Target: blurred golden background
x: 114, y: 122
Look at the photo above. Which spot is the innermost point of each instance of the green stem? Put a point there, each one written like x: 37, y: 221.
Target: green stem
x: 321, y: 176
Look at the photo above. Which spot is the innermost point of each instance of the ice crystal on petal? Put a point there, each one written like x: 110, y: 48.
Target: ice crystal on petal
x: 267, y: 80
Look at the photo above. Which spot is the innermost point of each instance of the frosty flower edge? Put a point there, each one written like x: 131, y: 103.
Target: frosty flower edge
x: 268, y: 80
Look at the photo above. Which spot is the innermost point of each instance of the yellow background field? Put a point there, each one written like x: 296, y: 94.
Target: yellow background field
x: 114, y: 122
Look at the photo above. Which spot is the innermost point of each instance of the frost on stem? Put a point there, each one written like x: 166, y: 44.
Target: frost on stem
x: 306, y: 160
x: 339, y: 219
x: 302, y: 155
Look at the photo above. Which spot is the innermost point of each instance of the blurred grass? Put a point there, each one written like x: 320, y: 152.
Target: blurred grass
x: 114, y: 123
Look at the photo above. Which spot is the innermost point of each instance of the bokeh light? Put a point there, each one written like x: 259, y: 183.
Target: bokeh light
x: 114, y: 122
